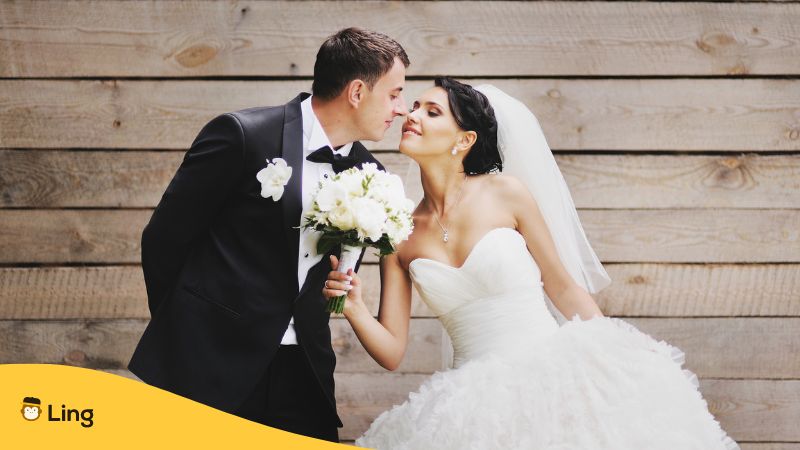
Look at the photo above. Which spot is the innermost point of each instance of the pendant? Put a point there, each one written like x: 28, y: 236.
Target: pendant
x: 445, y: 236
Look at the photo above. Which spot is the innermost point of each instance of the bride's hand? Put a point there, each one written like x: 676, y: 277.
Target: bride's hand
x: 337, y: 284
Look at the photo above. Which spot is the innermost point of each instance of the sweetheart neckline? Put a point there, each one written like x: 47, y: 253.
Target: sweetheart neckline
x: 469, y: 255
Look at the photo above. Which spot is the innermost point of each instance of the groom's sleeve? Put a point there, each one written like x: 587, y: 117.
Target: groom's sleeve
x: 196, y: 193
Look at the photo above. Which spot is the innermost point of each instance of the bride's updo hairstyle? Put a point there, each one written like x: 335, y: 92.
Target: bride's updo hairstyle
x: 472, y: 112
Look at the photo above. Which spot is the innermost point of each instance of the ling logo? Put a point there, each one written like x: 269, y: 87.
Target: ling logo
x: 32, y: 409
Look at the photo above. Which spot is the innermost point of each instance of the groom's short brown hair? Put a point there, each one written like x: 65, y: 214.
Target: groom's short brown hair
x: 352, y: 54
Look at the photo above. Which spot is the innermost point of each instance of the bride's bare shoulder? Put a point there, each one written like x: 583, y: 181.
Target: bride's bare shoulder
x: 505, y: 185
x: 512, y: 193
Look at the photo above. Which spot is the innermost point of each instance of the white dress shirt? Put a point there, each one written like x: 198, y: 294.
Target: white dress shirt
x: 314, y: 137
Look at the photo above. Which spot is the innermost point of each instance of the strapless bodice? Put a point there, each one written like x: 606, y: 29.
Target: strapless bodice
x: 494, y: 303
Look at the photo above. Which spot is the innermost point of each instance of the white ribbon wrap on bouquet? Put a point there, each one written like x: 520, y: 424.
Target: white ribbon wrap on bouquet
x: 348, y: 258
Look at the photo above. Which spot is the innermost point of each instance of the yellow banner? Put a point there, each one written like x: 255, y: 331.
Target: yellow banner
x: 55, y: 406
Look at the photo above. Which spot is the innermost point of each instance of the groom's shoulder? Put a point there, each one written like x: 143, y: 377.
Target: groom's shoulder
x: 259, y: 116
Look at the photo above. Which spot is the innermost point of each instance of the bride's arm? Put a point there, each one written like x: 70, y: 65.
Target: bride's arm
x: 386, y: 338
x: 569, y: 297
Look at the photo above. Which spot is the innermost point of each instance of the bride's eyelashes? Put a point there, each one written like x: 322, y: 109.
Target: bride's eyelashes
x: 431, y: 111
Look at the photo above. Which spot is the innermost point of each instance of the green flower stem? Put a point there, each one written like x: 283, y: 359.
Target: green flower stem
x: 336, y: 304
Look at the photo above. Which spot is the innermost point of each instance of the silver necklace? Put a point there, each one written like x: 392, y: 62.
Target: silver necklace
x: 445, y: 236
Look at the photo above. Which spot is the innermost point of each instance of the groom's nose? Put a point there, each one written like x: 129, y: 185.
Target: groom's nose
x: 400, y: 106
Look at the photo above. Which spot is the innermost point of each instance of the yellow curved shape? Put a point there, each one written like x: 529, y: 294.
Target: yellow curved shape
x: 87, y: 409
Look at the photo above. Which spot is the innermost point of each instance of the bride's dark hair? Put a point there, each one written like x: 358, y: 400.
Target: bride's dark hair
x: 472, y: 112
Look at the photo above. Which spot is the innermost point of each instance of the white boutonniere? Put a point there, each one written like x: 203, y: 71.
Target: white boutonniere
x: 273, y: 178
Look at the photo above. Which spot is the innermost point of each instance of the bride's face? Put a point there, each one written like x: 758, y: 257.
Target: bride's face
x: 430, y: 128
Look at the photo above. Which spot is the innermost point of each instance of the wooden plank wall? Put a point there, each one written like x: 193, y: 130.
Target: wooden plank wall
x: 676, y: 124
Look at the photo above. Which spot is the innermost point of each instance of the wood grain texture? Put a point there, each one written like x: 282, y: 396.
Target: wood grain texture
x: 757, y: 410
x: 134, y: 179
x: 115, y: 292
x: 718, y: 347
x: 682, y: 181
x: 748, y: 410
x: 656, y: 290
x: 692, y: 236
x: 701, y: 290
x: 179, y: 39
x: 715, y: 347
x: 71, y: 236
x: 732, y: 115
x: 45, y: 179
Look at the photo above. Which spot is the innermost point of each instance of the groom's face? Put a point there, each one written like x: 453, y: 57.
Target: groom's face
x: 380, y: 105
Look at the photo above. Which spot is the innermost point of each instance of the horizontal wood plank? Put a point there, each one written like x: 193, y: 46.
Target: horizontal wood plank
x: 45, y: 179
x: 113, y: 292
x: 748, y: 410
x: 575, y: 114
x: 726, y: 347
x: 50, y: 179
x: 657, y: 290
x: 673, y: 290
x: 175, y: 39
x: 714, y: 347
x: 679, y: 235
x: 71, y: 236
x: 756, y: 410
x: 684, y: 181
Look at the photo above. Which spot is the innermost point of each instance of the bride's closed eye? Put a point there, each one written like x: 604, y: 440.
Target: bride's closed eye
x: 431, y: 112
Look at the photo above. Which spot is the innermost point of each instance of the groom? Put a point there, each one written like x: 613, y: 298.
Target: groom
x: 234, y: 288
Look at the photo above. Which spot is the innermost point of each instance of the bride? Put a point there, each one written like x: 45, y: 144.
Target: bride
x: 502, y: 260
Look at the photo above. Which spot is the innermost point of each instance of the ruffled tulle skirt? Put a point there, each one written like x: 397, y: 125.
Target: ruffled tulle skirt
x: 592, y: 384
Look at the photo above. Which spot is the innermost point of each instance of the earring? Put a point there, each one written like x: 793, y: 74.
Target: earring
x: 454, y: 151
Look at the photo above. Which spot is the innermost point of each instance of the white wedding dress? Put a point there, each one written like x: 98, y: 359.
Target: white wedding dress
x: 522, y: 382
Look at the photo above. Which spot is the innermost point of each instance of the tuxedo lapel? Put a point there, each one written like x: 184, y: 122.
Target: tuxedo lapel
x: 292, y: 153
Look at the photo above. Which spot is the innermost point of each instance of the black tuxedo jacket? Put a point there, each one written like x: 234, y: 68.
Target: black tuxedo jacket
x: 220, y: 265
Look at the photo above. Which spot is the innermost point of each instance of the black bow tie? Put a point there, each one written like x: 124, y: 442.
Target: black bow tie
x: 325, y: 155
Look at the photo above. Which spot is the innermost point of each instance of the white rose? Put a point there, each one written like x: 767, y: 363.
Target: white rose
x: 398, y: 229
x: 396, y: 193
x: 351, y: 182
x: 342, y: 217
x: 273, y: 178
x: 330, y: 195
x: 378, y: 191
x: 370, y: 217
x: 369, y: 168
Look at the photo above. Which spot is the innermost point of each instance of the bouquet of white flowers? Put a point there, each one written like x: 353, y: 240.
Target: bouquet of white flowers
x: 359, y: 208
